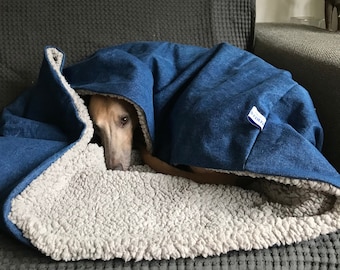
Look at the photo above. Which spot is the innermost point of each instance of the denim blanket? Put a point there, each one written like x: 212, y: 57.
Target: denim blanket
x: 220, y: 108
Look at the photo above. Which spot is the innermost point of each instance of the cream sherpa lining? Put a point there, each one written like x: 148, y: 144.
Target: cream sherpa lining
x: 77, y: 209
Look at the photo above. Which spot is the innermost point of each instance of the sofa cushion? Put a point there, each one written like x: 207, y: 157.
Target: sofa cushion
x: 312, y: 56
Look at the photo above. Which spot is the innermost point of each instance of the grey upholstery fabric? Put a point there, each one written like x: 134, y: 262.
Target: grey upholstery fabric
x: 322, y: 253
x: 83, y: 26
x: 313, y: 57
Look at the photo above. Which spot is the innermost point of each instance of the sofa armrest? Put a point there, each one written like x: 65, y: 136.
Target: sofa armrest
x: 312, y: 55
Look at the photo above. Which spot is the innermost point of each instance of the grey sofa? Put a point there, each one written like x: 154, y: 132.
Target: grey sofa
x: 312, y: 55
x: 81, y: 27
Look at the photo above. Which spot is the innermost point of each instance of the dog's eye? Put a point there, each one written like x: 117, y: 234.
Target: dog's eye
x: 124, y: 120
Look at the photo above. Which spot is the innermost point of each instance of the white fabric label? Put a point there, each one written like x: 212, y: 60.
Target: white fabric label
x: 256, y: 118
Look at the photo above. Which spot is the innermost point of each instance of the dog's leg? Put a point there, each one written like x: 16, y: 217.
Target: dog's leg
x: 198, y: 175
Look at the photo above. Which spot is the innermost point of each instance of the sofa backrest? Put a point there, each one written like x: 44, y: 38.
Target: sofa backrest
x: 80, y: 27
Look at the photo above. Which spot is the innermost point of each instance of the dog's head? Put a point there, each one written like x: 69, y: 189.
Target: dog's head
x: 114, y: 121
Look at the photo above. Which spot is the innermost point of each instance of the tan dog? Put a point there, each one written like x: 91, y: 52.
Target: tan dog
x: 197, y: 174
x: 115, y: 121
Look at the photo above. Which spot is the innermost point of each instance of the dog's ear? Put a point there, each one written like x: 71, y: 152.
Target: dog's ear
x: 86, y: 99
x: 96, y: 139
x: 138, y: 138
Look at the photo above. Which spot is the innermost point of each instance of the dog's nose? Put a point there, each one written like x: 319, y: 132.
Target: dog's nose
x: 113, y: 164
x: 117, y: 167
